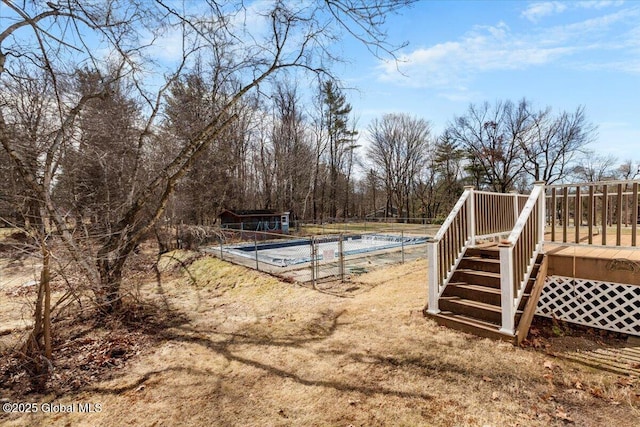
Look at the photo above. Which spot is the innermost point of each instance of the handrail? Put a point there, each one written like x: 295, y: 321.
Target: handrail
x: 518, y: 255
x: 445, y: 250
x: 594, y: 183
x: 452, y: 215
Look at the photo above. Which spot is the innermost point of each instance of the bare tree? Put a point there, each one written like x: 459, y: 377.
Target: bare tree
x: 554, y: 143
x: 593, y: 167
x: 398, y: 148
x: 291, y: 150
x: 629, y: 170
x: 492, y: 137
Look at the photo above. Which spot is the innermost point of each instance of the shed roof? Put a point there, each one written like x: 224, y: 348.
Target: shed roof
x: 250, y: 213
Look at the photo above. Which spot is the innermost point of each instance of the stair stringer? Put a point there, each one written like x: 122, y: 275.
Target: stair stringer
x: 522, y: 329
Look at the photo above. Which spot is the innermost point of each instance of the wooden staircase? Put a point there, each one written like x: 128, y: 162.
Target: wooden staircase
x: 471, y: 301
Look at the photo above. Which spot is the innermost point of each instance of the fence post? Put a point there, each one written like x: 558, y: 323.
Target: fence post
x: 341, y: 257
x: 313, y: 261
x: 255, y: 240
x: 402, y: 244
x: 221, y: 253
x: 432, y: 278
x: 506, y: 288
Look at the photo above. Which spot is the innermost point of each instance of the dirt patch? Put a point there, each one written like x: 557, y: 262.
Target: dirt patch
x: 249, y: 349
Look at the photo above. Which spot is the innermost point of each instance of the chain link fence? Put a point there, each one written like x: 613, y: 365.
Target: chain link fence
x: 321, y: 257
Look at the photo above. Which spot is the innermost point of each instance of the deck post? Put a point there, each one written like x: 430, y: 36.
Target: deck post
x: 542, y: 212
x: 506, y: 288
x: 471, y: 217
x: 432, y: 278
x: 516, y: 207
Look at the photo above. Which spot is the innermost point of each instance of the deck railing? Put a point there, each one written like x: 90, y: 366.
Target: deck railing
x: 518, y: 254
x: 598, y: 213
x: 467, y: 223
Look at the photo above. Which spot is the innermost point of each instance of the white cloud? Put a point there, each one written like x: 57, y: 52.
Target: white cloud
x: 536, y: 11
x: 450, y: 64
x: 599, y: 4
x: 453, y: 64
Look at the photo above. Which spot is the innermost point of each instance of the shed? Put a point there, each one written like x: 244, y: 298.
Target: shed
x: 255, y: 220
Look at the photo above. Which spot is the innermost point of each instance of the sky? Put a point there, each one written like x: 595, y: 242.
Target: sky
x: 561, y: 55
x: 556, y: 54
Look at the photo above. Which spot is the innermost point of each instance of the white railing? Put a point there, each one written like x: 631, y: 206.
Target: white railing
x: 467, y: 223
x: 518, y: 255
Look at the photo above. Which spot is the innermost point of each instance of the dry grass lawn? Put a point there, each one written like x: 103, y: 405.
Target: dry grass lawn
x: 255, y: 351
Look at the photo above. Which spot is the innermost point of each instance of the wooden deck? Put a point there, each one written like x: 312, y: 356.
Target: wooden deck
x: 606, y: 264
x: 591, y: 245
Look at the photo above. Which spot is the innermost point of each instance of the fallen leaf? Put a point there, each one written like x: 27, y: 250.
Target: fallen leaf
x: 563, y: 415
x: 548, y: 364
x: 487, y: 379
x: 624, y: 382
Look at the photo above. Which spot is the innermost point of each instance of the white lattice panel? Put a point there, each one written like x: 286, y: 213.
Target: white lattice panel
x: 610, y: 306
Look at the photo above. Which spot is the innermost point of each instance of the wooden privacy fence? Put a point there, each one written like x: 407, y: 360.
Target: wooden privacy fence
x: 598, y: 213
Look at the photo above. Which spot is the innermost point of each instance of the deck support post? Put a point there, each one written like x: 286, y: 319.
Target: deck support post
x: 432, y: 278
x: 506, y: 288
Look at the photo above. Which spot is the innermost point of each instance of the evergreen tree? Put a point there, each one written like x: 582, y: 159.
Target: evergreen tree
x: 340, y: 137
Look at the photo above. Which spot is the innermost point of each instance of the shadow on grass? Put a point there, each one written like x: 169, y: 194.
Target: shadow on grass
x: 224, y: 348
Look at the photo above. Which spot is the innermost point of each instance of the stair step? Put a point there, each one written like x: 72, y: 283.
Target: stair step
x: 490, y: 252
x: 480, y: 264
x: 479, y: 293
x: 469, y: 325
x: 474, y: 309
x: 474, y: 277
x: 523, y: 301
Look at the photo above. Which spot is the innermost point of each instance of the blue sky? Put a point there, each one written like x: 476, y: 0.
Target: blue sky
x: 557, y: 54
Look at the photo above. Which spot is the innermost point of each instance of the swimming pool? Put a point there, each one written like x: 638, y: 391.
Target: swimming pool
x: 298, y: 251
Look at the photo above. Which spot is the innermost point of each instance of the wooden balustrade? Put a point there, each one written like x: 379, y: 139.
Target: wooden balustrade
x: 504, y: 209
x: 587, y: 213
